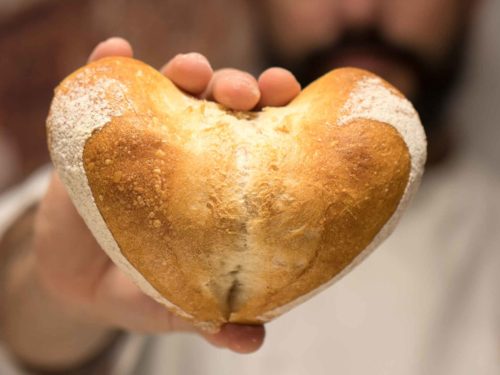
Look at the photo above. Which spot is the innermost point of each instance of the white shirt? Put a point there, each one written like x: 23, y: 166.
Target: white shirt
x: 427, y: 301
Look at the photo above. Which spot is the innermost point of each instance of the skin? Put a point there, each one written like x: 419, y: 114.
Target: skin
x: 66, y: 280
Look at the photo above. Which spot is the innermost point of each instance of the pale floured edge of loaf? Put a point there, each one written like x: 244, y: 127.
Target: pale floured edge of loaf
x: 75, y: 114
x: 372, y: 99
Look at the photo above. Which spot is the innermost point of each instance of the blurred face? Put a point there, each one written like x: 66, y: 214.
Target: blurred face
x: 414, y: 44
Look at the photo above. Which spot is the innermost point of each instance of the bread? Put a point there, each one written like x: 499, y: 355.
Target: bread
x: 227, y: 216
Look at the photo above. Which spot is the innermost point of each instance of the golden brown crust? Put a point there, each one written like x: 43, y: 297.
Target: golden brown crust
x: 230, y: 216
x: 144, y: 188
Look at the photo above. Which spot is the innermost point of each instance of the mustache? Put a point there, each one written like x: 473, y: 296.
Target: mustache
x: 372, y: 41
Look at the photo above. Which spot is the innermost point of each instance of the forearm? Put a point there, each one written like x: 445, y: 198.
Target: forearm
x: 35, y: 327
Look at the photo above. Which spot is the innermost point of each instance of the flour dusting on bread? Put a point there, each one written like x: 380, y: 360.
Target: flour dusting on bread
x: 81, y: 106
x: 373, y: 100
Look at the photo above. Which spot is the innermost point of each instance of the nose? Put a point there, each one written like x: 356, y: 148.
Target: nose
x: 359, y: 14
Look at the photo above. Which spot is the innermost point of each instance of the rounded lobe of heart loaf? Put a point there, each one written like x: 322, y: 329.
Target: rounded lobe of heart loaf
x: 237, y: 216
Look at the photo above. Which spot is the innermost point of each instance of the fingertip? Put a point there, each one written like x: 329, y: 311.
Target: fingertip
x: 236, y: 90
x: 239, y: 338
x: 114, y: 46
x: 191, y: 72
x: 278, y: 87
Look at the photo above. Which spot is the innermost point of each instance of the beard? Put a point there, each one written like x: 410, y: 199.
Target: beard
x: 435, y: 80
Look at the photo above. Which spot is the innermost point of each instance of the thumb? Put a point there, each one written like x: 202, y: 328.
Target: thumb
x: 238, y: 337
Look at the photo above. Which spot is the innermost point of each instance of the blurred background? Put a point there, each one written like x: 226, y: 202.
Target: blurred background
x: 41, y: 41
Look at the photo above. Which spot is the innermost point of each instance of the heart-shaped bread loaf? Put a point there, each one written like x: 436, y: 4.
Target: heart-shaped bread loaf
x: 227, y: 216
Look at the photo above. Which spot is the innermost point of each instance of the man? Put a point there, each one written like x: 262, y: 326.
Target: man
x: 423, y: 303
